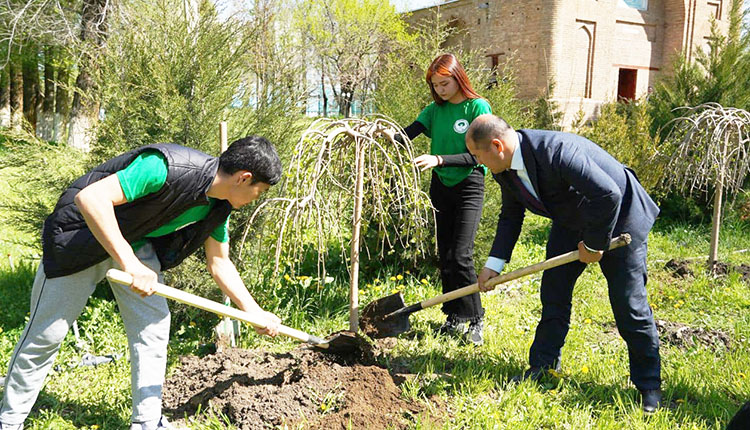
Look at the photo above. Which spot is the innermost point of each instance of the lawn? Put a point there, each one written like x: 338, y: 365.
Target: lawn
x: 705, y: 380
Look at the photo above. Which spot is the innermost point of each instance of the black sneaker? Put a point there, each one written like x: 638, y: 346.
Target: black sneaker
x: 475, y: 333
x: 452, y: 327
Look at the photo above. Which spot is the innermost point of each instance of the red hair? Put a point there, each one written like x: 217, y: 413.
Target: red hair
x: 448, y: 65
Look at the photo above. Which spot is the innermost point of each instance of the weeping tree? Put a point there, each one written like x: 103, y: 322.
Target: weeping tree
x: 345, y: 174
x: 711, y: 151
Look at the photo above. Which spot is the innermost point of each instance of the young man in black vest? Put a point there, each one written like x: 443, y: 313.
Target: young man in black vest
x: 589, y: 196
x: 143, y: 212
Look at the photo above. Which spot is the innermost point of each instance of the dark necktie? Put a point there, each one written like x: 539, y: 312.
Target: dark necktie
x: 529, y: 200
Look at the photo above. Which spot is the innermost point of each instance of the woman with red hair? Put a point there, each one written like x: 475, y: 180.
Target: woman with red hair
x: 457, y: 187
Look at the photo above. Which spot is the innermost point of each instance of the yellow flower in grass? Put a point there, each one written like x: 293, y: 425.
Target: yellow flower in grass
x: 680, y: 302
x: 424, y: 281
x: 585, y: 369
x: 376, y: 281
x: 400, y: 287
x: 287, y: 278
x: 554, y: 373
x: 399, y: 277
x: 395, y: 290
x: 192, y: 324
x: 587, y: 321
x: 680, y: 401
x: 392, y: 278
x: 408, y: 272
x: 742, y: 375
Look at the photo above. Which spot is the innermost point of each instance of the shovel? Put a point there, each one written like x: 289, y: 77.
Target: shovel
x: 389, y: 316
x: 340, y: 343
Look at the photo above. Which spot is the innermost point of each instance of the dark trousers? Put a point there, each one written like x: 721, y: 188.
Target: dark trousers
x: 459, y: 209
x: 625, y: 271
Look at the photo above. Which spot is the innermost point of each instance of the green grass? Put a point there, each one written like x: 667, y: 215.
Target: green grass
x: 704, y: 386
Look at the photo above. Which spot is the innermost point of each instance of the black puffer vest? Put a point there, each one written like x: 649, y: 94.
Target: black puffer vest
x: 69, y: 246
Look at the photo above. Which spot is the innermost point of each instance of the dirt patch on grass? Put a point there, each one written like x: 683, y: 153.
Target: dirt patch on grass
x: 684, y: 336
x: 261, y: 390
x: 679, y: 268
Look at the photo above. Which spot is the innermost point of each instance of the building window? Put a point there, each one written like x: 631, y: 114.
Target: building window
x: 634, y: 4
x: 626, y: 84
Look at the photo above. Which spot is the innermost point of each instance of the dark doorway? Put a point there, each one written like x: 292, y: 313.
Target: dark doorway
x: 626, y: 84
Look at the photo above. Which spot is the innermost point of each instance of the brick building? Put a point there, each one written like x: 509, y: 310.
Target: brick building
x: 593, y: 50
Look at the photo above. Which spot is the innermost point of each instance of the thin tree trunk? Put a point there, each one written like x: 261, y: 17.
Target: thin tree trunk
x: 715, y: 225
x: 356, y: 226
x: 30, y: 70
x: 47, y: 113
x: 62, y: 99
x: 4, y: 97
x: 85, y: 109
x: 16, y: 93
x: 323, y: 88
x: 716, y: 220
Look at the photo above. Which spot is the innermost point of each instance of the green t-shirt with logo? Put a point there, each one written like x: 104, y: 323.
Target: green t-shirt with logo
x: 446, y: 125
x: 147, y: 174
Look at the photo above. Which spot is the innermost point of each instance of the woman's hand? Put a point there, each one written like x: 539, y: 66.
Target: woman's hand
x: 427, y: 161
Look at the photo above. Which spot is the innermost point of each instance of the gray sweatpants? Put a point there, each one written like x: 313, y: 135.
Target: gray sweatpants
x: 55, y: 304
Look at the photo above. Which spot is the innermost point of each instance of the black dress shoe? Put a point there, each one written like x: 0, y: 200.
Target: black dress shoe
x: 651, y: 400
x: 536, y: 373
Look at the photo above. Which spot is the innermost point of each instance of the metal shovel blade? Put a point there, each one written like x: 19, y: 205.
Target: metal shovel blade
x: 374, y: 323
x: 342, y: 343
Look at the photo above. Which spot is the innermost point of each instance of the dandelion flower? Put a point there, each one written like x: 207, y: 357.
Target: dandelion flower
x: 408, y: 272
x: 192, y: 324
x: 392, y: 278
x: 395, y: 290
x: 376, y: 280
x: 585, y: 369
x: 742, y: 375
x: 286, y: 277
x: 680, y: 401
x: 424, y: 281
x: 587, y: 321
x: 399, y: 277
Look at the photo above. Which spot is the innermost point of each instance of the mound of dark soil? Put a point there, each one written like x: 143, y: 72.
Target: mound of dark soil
x: 679, y: 268
x: 261, y: 390
x: 684, y: 336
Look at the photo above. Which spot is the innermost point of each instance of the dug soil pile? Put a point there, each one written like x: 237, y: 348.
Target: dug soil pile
x: 261, y: 390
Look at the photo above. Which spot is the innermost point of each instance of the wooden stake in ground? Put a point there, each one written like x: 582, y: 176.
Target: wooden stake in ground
x: 344, y: 167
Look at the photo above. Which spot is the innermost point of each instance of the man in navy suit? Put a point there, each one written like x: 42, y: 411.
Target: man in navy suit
x: 590, y: 197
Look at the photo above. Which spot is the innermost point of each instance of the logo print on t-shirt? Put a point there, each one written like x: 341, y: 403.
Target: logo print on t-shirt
x: 460, y: 126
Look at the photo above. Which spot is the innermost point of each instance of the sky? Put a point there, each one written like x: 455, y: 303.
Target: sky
x: 407, y: 5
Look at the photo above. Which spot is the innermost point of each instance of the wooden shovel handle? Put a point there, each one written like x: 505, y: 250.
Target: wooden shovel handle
x: 124, y: 278
x: 621, y: 240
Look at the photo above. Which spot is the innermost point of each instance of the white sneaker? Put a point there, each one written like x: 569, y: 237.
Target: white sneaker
x: 162, y: 424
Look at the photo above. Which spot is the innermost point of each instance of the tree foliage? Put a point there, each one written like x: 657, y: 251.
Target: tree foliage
x: 172, y: 77
x: 349, y: 39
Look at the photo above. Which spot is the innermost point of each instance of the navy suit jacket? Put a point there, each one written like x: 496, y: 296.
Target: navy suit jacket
x: 582, y: 187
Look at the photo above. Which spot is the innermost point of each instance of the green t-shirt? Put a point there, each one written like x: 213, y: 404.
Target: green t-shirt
x: 146, y: 175
x: 446, y: 125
